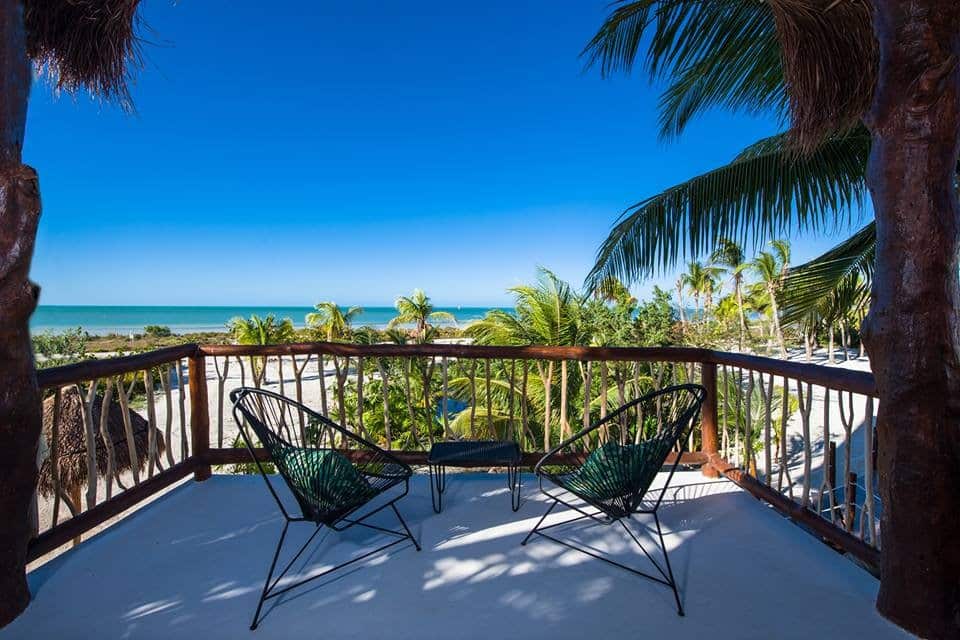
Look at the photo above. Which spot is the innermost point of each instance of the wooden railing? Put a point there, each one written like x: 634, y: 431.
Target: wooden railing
x: 758, y: 427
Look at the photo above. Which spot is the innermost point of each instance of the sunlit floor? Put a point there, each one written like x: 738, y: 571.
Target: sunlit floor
x: 191, y: 565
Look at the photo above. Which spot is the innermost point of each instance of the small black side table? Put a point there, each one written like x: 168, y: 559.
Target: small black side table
x: 494, y: 453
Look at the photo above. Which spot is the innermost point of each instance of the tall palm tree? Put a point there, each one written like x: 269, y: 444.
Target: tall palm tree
x: 701, y: 280
x: 729, y: 256
x: 547, y: 313
x: 417, y: 309
x: 770, y: 268
x: 680, y: 283
x: 331, y: 320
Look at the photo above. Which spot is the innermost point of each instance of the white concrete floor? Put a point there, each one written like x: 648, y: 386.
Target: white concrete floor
x: 191, y: 565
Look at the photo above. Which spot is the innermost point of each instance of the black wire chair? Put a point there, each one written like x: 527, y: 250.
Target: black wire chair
x: 328, y: 483
x: 611, y: 465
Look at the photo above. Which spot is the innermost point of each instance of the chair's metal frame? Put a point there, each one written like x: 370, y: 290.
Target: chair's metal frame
x: 242, y: 415
x: 604, y: 514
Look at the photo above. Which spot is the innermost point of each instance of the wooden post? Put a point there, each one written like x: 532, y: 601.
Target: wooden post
x: 709, y: 441
x: 199, y: 416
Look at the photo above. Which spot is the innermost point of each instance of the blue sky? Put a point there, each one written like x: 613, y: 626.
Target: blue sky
x: 301, y: 151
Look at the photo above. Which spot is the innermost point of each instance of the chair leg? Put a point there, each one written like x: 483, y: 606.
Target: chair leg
x: 405, y: 527
x: 666, y: 557
x: 266, y: 583
x: 539, y: 522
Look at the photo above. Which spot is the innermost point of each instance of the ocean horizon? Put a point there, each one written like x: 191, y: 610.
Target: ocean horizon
x: 124, y: 320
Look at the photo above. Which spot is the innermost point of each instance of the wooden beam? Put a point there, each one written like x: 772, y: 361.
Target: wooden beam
x: 107, y: 367
x: 199, y: 415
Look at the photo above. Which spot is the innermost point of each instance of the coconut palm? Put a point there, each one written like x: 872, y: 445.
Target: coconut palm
x: 259, y: 330
x: 417, y: 309
x: 770, y: 268
x: 548, y: 313
x: 729, y: 256
x: 332, y: 321
x: 701, y: 279
x: 723, y: 54
x: 679, y: 286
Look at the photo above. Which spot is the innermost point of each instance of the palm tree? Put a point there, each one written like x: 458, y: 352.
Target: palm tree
x: 729, y: 256
x: 547, y: 313
x: 679, y: 285
x: 418, y: 310
x: 723, y: 54
x: 770, y: 269
x: 701, y: 280
x: 259, y: 330
x: 331, y: 320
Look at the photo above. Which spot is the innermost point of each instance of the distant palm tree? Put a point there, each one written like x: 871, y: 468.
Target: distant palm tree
x: 418, y: 310
x: 258, y: 330
x: 729, y: 256
x: 701, y: 279
x: 683, y: 316
x: 262, y: 331
x: 771, y: 269
x: 332, y: 321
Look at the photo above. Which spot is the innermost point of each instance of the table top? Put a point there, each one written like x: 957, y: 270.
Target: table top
x: 473, y: 451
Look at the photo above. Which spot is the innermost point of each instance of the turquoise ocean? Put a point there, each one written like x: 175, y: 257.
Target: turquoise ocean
x: 103, y: 320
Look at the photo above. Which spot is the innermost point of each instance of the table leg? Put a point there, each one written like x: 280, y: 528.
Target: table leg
x: 514, y: 481
x: 438, y: 483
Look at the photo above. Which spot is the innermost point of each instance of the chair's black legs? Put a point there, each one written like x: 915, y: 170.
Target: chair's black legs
x: 666, y: 556
x: 539, y: 522
x: 270, y: 584
x: 266, y: 583
x: 667, y: 578
x: 438, y: 483
x: 405, y: 527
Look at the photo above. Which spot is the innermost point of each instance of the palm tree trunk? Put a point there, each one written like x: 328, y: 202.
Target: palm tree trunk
x: 778, y: 331
x: 830, y: 357
x: 743, y: 318
x: 683, y: 314
x: 19, y: 396
x: 912, y: 330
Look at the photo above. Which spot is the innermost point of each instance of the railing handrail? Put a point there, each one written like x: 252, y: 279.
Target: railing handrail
x: 861, y: 382
x: 457, y: 350
x: 106, y: 367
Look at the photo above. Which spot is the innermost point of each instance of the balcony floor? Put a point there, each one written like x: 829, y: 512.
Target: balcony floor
x: 191, y: 565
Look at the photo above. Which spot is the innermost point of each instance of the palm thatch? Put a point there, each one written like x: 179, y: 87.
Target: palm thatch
x: 85, y: 44
x: 830, y: 61
x: 72, y: 441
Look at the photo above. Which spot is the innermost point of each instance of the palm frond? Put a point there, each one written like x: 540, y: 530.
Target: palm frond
x: 766, y: 192
x: 721, y: 53
x: 806, y: 287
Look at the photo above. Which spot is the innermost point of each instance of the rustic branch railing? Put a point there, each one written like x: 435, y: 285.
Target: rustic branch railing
x: 758, y: 426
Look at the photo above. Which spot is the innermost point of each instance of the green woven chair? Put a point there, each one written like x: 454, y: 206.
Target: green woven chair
x: 605, y: 471
x: 330, y: 483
